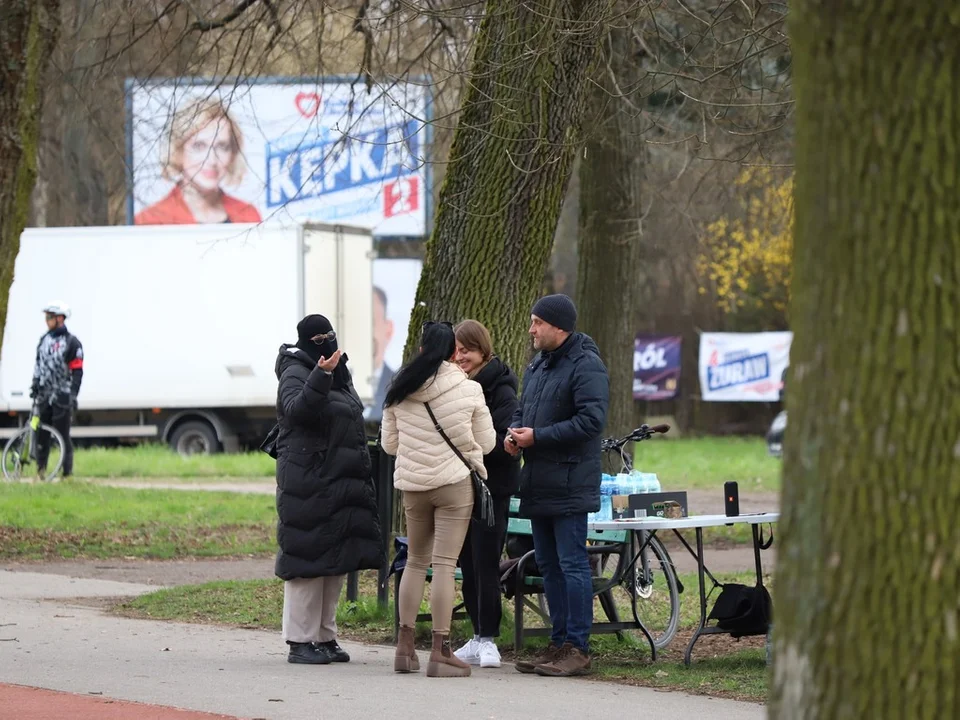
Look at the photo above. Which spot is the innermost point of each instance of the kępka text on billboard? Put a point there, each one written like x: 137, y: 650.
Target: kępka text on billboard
x: 235, y: 151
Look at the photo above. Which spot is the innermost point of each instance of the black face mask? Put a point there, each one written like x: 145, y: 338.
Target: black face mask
x: 321, y: 345
x: 316, y: 338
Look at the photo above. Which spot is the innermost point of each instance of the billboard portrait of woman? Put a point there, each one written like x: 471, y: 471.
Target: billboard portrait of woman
x: 201, y: 152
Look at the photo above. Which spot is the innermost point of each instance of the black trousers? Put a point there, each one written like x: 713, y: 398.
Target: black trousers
x: 61, y: 417
x: 480, y: 564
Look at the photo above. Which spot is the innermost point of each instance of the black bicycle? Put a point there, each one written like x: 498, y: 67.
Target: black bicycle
x: 653, y: 577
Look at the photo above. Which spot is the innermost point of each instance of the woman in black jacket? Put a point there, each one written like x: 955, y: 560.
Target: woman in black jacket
x: 480, y: 557
x: 326, y: 501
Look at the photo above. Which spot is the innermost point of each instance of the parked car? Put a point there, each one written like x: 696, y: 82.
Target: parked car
x: 775, y: 434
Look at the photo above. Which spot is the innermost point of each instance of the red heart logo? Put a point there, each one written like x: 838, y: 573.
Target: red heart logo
x: 308, y: 104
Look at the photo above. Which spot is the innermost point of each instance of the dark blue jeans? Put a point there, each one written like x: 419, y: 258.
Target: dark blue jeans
x: 560, y: 546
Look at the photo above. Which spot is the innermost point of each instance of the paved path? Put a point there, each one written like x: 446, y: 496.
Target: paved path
x: 702, y: 502
x: 192, y: 571
x: 29, y: 703
x: 53, y: 641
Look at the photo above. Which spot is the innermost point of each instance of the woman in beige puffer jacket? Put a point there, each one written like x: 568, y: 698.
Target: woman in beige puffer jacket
x: 437, y: 492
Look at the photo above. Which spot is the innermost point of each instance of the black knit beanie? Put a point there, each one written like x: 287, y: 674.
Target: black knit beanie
x: 558, y: 310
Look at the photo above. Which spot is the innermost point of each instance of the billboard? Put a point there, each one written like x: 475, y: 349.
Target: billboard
x: 394, y: 293
x: 738, y: 367
x: 656, y: 367
x: 328, y: 151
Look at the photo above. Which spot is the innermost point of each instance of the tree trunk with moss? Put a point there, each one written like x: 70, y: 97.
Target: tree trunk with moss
x: 510, y: 163
x: 867, y: 616
x: 28, y: 33
x: 611, y: 287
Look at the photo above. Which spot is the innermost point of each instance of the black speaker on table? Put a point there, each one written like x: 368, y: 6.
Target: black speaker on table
x: 731, y: 498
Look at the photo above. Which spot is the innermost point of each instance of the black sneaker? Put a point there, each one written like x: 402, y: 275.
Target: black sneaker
x: 307, y: 654
x: 336, y: 653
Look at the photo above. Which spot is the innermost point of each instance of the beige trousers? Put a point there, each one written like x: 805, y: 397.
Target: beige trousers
x: 310, y: 609
x: 437, y: 522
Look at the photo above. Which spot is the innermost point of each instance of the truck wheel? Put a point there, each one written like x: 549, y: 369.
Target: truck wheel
x: 194, y: 438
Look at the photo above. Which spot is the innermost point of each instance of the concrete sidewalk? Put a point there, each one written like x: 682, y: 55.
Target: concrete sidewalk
x: 63, y: 644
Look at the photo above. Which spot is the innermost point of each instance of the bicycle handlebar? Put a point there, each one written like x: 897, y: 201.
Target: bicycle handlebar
x: 644, y: 432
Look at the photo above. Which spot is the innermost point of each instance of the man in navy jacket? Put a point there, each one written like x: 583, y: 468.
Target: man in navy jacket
x: 563, y: 410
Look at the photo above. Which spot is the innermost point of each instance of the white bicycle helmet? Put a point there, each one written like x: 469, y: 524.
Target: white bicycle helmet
x: 57, y: 307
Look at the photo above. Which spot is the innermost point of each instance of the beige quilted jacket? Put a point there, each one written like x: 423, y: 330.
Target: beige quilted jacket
x: 424, y: 460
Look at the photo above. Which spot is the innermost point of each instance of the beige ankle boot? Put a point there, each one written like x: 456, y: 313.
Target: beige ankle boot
x: 406, y: 661
x: 444, y: 663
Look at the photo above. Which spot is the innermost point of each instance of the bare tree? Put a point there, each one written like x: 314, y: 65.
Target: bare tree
x: 613, y: 279
x: 28, y: 33
x: 685, y: 87
x: 510, y: 162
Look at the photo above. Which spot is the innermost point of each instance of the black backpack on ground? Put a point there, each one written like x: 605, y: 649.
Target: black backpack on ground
x: 742, y: 610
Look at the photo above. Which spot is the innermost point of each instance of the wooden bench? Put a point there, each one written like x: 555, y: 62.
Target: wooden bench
x: 601, y: 544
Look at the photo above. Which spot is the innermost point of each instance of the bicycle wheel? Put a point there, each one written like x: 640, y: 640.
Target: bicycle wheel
x: 654, y: 582
x: 19, y: 459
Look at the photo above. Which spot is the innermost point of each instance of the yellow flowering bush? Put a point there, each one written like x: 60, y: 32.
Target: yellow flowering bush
x: 746, y: 256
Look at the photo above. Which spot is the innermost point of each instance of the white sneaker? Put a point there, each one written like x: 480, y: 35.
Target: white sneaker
x: 489, y: 655
x: 470, y: 653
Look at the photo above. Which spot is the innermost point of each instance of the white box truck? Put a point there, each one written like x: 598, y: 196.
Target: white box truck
x: 181, y: 325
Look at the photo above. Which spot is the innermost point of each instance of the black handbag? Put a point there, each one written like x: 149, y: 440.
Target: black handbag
x: 269, y: 444
x: 482, y: 499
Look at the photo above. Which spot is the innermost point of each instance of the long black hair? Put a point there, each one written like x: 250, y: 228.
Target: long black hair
x: 437, y: 343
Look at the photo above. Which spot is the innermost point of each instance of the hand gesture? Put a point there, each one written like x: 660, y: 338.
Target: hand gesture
x: 523, y: 436
x: 328, y: 364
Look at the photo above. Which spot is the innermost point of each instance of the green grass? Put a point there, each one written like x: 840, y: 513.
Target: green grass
x: 159, y: 461
x: 76, y: 519
x: 720, y: 667
x: 707, y: 463
x: 681, y: 464
x: 741, y: 675
x: 256, y: 604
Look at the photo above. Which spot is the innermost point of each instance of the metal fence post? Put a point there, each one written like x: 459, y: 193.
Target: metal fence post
x: 385, y: 482
x: 382, y: 472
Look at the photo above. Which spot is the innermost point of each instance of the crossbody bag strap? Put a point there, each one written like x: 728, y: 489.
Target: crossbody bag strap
x: 444, y: 436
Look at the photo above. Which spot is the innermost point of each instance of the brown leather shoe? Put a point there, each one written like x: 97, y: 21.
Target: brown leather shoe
x: 443, y: 663
x: 406, y: 660
x: 529, y: 666
x: 570, y: 661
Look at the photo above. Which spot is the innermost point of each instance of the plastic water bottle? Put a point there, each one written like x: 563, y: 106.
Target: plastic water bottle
x: 624, y: 484
x: 653, y: 483
x: 637, y: 482
x: 642, y: 482
x: 607, y: 489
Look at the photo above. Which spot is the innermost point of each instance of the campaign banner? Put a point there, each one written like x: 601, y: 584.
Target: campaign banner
x: 743, y: 367
x: 395, y: 283
x: 656, y: 367
x: 326, y: 151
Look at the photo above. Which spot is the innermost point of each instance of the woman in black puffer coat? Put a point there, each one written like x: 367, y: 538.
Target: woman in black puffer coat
x: 480, y: 558
x: 326, y: 500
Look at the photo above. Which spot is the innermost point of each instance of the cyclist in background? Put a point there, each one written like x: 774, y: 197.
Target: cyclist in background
x: 56, y: 383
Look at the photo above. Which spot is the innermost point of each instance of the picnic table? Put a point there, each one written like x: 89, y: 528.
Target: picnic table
x: 647, y: 527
